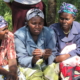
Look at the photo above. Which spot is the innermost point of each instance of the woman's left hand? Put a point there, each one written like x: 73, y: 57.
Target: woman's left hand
x: 47, y: 53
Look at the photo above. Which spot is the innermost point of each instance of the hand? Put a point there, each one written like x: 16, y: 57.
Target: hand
x: 38, y: 52
x: 11, y: 76
x: 35, y: 59
x: 47, y: 53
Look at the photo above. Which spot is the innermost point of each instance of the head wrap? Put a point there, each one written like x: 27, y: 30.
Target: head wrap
x: 3, y: 23
x: 34, y: 12
x: 68, y: 8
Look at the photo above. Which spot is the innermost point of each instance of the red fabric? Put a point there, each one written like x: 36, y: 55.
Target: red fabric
x: 19, y: 13
x: 71, y: 72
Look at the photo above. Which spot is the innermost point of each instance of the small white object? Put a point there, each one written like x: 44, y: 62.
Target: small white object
x: 73, y: 61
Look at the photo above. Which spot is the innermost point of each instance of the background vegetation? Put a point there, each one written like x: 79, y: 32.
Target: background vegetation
x: 6, y: 12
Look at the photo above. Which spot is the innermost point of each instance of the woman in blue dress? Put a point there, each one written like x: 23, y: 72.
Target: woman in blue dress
x: 68, y: 42
x: 34, y: 42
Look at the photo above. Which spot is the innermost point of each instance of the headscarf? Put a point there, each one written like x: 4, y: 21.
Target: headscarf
x: 68, y: 8
x: 34, y: 12
x: 3, y: 22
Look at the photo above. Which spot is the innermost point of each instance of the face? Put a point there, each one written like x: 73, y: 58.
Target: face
x: 3, y: 32
x: 66, y: 20
x: 36, y: 25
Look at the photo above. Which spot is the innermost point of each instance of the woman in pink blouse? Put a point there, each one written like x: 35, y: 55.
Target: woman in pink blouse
x: 8, y: 64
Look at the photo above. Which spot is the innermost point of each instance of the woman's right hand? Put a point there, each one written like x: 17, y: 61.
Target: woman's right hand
x: 37, y: 54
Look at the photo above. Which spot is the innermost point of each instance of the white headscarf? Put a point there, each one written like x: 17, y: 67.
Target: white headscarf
x: 34, y: 12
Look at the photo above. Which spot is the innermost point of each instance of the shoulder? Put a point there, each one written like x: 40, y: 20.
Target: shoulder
x: 48, y: 33
x: 77, y: 25
x: 48, y: 30
x: 55, y: 25
x: 75, y: 22
x: 21, y: 32
x: 10, y: 35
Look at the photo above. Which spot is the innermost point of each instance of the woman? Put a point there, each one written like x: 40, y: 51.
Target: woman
x: 19, y: 9
x: 68, y: 42
x: 35, y: 41
x: 8, y: 64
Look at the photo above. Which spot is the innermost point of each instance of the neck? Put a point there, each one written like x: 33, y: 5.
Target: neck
x: 35, y: 38
x: 67, y: 31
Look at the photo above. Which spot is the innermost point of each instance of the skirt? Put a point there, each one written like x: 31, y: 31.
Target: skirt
x: 69, y: 72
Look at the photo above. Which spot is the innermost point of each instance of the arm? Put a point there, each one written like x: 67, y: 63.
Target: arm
x: 61, y: 58
x: 7, y: 74
x: 11, y: 55
x: 13, y: 66
x: 71, y: 53
x: 3, y: 71
x: 24, y: 59
x: 76, y: 40
x: 12, y: 74
x: 51, y: 44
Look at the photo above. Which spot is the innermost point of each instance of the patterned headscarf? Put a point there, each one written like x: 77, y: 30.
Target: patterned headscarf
x: 34, y: 12
x: 3, y: 23
x: 68, y: 8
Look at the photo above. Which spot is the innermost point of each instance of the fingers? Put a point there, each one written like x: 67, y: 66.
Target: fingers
x: 48, y: 51
x: 37, y: 52
x: 11, y: 77
x: 35, y: 58
x: 41, y: 53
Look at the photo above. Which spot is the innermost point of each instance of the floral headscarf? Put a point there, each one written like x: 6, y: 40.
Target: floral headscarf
x: 3, y: 22
x: 68, y: 8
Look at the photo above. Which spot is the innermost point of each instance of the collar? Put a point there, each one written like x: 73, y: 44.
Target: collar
x: 71, y: 35
x: 31, y: 41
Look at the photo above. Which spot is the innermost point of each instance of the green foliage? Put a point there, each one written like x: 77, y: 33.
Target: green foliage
x: 74, y: 2
x: 6, y: 12
x: 8, y: 18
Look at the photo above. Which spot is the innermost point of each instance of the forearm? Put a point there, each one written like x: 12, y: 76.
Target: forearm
x: 3, y: 71
x: 62, y: 57
x: 13, y: 66
x: 25, y: 61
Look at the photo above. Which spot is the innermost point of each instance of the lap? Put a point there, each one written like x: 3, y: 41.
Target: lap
x: 48, y: 73
x: 69, y: 72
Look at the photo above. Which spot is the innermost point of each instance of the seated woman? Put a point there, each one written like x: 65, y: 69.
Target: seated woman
x: 68, y: 42
x: 8, y: 64
x: 35, y: 41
